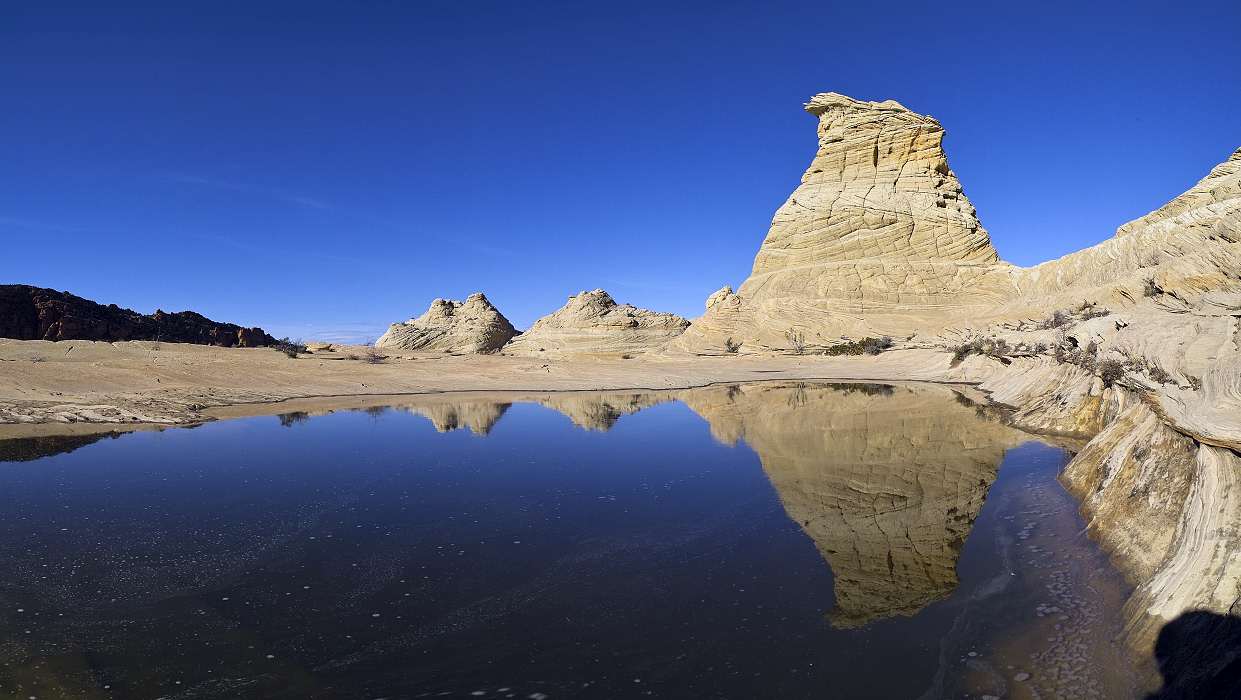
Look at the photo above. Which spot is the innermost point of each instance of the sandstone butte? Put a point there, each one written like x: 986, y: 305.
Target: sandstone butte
x: 470, y: 326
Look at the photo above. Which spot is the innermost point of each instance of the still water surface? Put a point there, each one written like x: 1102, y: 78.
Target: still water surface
x: 791, y: 540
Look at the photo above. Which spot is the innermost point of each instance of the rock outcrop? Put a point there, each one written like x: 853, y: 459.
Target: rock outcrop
x: 592, y: 323
x: 470, y: 326
x: 878, y: 239
x: 36, y: 313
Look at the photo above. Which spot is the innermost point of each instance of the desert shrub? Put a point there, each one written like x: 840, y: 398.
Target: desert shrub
x: 973, y: 346
x: 1150, y: 289
x: 374, y: 357
x: 290, y: 348
x: 874, y: 346
x: 731, y: 346
x: 1056, y: 320
x: 865, y: 346
x: 850, y: 348
x: 1195, y: 383
x: 1110, y: 371
x: 1038, y: 348
x: 1090, y: 311
x: 995, y: 348
x: 797, y: 340
x: 38, y: 358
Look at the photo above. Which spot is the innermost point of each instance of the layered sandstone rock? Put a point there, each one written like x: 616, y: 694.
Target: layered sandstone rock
x: 470, y: 326
x: 593, y: 323
x: 878, y: 239
x: 35, y: 313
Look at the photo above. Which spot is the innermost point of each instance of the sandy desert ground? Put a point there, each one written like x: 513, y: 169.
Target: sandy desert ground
x: 84, y: 386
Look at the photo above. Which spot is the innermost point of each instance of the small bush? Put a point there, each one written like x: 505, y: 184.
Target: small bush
x: 1089, y: 312
x: 38, y: 358
x: 1056, y: 320
x: 865, y: 346
x: 797, y: 340
x: 1110, y: 371
x: 731, y: 346
x: 995, y: 348
x: 972, y: 346
x: 844, y: 349
x: 1195, y: 383
x: 1039, y: 348
x: 1150, y: 289
x: 290, y: 348
x: 374, y: 357
x: 874, y: 346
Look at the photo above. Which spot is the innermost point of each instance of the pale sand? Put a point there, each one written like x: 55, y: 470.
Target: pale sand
x: 82, y: 386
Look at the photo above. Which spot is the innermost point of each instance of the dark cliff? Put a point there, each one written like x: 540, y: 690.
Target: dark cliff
x: 35, y: 313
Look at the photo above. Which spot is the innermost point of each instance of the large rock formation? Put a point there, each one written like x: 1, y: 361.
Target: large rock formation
x: 35, y: 313
x: 593, y: 323
x: 877, y: 239
x: 470, y: 326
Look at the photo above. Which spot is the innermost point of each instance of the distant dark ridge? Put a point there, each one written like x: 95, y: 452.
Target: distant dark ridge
x: 35, y: 313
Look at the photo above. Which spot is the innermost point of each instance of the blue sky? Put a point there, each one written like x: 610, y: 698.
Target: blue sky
x: 323, y: 169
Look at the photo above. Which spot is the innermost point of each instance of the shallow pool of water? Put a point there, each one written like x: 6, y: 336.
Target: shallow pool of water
x: 758, y: 540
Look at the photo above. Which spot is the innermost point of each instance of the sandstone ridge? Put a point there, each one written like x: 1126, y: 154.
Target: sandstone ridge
x: 593, y: 323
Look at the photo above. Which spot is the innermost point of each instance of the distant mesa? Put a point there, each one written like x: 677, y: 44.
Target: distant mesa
x: 470, y: 326
x: 36, y: 313
x: 593, y: 323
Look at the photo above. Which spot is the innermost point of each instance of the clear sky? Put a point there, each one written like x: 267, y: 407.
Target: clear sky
x: 323, y: 169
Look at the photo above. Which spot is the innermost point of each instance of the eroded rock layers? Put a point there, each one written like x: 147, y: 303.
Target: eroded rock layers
x: 878, y: 238
x: 593, y: 323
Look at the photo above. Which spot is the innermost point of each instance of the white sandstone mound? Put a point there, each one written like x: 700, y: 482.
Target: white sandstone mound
x: 470, y: 326
x: 593, y: 323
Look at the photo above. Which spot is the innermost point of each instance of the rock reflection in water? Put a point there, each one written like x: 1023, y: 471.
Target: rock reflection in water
x: 364, y: 551
x: 886, y: 480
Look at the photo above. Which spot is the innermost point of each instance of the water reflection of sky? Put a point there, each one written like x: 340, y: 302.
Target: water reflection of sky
x: 606, y: 545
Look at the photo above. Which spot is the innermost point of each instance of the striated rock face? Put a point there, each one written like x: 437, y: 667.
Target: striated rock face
x: 593, y: 323
x: 470, y: 326
x: 878, y: 238
x: 887, y: 481
x: 35, y: 313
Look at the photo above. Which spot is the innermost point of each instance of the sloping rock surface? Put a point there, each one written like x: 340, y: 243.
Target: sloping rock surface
x: 36, y: 313
x: 470, y: 326
x: 593, y: 323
